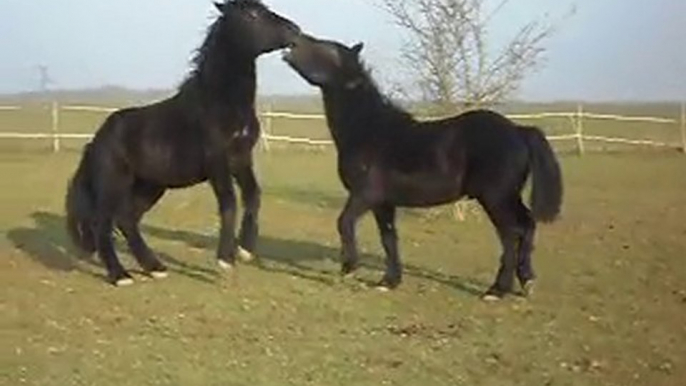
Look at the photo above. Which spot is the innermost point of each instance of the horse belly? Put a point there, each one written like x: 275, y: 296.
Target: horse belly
x: 173, y: 168
x: 181, y: 177
x: 424, y: 190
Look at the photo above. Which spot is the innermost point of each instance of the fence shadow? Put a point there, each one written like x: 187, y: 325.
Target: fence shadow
x: 48, y: 244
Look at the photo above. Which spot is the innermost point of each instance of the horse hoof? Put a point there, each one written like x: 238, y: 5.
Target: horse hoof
x: 528, y: 288
x: 245, y: 255
x: 348, y: 271
x: 387, y: 285
x: 226, y: 266
x: 159, y: 274
x: 124, y: 282
x: 491, y: 298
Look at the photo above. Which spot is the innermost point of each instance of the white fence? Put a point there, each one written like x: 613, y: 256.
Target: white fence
x: 576, y: 119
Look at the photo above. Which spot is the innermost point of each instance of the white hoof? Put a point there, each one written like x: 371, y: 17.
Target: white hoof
x: 245, y: 255
x: 126, y: 282
x: 528, y: 288
x: 225, y: 266
x: 383, y: 289
x: 159, y: 274
x: 488, y: 298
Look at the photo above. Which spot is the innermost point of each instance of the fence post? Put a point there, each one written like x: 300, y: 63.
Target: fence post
x: 267, y: 130
x: 683, y: 127
x: 55, y: 127
x: 580, y: 129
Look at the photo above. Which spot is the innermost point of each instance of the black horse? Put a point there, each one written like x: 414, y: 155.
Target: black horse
x: 205, y: 132
x: 387, y: 159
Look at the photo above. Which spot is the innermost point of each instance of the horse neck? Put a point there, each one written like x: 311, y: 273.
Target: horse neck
x: 228, y: 82
x: 360, y: 115
x: 224, y: 74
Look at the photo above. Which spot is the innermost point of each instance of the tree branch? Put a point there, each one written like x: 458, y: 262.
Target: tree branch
x: 448, y: 54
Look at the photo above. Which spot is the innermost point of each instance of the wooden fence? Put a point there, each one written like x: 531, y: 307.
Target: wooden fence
x: 576, y: 119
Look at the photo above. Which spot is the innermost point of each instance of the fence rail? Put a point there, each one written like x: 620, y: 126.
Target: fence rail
x: 576, y: 119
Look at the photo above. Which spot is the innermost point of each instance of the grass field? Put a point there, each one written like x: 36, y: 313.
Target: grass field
x: 609, y: 309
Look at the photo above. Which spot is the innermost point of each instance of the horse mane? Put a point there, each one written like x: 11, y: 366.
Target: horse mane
x: 391, y: 108
x: 366, y: 112
x: 208, y: 46
x: 218, y: 67
x: 214, y: 37
x: 256, y: 2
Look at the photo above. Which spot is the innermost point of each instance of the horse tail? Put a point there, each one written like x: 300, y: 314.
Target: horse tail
x: 547, y: 190
x: 80, y: 205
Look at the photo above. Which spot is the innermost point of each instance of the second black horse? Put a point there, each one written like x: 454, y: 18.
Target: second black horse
x: 387, y: 159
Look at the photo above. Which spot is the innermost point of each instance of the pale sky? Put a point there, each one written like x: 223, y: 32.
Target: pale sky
x: 611, y: 49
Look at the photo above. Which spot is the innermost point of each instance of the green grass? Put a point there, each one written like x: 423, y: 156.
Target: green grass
x: 609, y: 308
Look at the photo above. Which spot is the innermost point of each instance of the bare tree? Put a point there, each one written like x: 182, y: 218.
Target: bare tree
x: 447, y: 50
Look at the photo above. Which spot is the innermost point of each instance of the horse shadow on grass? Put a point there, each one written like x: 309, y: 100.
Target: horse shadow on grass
x: 48, y: 243
x: 303, y: 259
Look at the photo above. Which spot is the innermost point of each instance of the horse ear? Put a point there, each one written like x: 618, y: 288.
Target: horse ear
x: 219, y: 6
x: 357, y: 48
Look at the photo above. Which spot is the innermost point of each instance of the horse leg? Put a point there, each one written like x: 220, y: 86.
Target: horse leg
x: 109, y: 198
x: 226, y: 197
x: 251, y: 196
x: 503, y: 215
x: 385, y: 221
x: 354, y: 208
x: 525, y: 272
x: 141, y: 199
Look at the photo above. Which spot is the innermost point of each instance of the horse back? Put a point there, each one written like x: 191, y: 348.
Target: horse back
x: 174, y: 143
x: 437, y: 162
